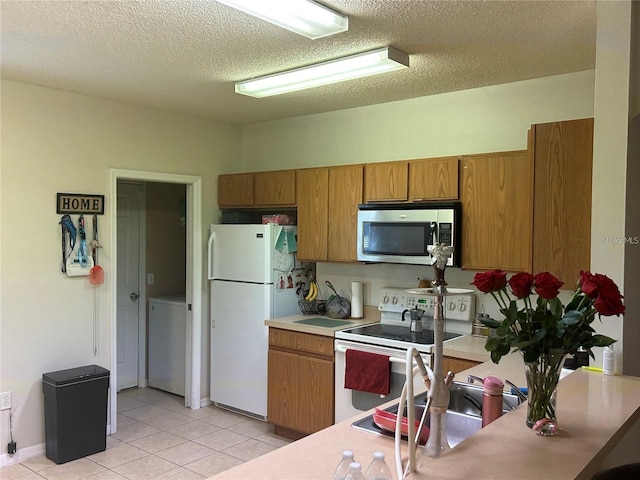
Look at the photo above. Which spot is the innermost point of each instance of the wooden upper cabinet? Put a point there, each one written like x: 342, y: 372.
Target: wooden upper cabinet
x: 345, y: 194
x: 312, y: 192
x: 275, y: 188
x: 497, y: 211
x: 433, y: 179
x: 563, y: 153
x: 386, y: 182
x: 235, y: 190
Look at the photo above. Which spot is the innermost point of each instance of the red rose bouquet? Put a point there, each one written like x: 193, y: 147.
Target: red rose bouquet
x: 540, y: 326
x: 545, y: 330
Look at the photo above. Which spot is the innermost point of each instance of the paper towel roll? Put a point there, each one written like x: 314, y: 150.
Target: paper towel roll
x: 356, y: 300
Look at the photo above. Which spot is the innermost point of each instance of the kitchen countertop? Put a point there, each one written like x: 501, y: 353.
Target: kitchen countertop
x: 466, y: 347
x: 594, y: 412
x: 371, y: 315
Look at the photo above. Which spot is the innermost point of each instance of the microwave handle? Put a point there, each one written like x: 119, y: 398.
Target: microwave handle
x: 433, y: 233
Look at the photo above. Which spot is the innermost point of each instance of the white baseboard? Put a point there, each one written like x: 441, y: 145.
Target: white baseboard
x: 26, y: 453
x: 21, y: 455
x: 204, y: 402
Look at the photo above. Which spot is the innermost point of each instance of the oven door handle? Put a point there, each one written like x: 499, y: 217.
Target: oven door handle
x: 341, y: 349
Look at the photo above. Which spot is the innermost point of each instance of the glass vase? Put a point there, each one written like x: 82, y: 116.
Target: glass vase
x: 543, y: 375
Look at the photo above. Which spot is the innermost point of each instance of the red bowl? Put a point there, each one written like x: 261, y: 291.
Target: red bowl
x: 387, y: 421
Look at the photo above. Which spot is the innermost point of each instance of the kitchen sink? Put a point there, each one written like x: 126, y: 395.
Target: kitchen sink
x: 466, y: 398
x: 459, y: 425
x: 463, y: 417
x: 323, y: 322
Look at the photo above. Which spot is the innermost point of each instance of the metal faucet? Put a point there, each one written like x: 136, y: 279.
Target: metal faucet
x: 517, y: 391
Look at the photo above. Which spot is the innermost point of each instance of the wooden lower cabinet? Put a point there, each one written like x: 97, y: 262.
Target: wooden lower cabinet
x: 300, y: 381
x: 457, y: 365
x: 316, y: 394
x: 283, y: 388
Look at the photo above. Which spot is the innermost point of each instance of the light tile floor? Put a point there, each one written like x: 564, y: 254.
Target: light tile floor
x: 158, y: 438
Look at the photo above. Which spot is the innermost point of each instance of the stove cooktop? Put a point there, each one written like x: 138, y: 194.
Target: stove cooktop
x: 396, y: 333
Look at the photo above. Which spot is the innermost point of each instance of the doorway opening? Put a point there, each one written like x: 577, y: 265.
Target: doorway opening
x: 127, y: 188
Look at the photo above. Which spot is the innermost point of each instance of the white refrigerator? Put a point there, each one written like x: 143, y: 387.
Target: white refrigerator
x: 253, y: 278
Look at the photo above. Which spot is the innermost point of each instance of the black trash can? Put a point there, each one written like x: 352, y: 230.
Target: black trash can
x: 75, y: 412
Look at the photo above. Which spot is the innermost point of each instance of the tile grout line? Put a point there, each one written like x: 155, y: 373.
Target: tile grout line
x: 151, y: 396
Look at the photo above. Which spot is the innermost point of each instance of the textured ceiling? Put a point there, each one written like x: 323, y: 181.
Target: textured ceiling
x: 186, y: 55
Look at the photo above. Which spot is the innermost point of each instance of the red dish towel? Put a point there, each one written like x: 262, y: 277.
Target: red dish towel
x: 368, y: 372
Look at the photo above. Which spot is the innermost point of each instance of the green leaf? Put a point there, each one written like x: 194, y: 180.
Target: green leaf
x: 572, y: 317
x: 602, y: 340
x: 492, y: 344
x: 555, y: 305
x: 538, y: 335
x: 495, y: 357
x: 575, y: 301
x: 491, y: 323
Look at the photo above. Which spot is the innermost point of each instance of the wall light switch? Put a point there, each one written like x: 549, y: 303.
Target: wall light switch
x: 150, y: 278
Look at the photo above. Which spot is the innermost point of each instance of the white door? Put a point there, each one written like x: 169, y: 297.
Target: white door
x: 128, y: 283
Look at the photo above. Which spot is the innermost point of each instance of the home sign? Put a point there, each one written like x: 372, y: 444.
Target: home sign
x: 80, y: 203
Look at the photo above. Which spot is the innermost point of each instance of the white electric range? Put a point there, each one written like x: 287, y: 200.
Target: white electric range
x: 392, y: 337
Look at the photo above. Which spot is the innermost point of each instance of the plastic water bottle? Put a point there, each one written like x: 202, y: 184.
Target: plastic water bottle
x: 378, y: 468
x: 608, y: 361
x: 342, y: 470
x: 354, y: 472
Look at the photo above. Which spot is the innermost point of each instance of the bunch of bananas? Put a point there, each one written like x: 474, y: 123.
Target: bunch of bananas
x: 313, y: 292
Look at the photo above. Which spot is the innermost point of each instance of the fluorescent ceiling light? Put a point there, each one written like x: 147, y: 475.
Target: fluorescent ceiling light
x: 305, y: 17
x: 364, y: 64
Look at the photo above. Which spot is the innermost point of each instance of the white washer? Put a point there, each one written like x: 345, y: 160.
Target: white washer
x: 167, y: 343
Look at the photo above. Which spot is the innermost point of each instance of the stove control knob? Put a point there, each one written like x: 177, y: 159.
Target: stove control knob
x: 385, y: 299
x: 394, y: 300
x: 463, y: 306
x: 452, y: 306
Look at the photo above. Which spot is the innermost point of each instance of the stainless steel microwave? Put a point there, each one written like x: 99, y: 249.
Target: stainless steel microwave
x: 401, y: 233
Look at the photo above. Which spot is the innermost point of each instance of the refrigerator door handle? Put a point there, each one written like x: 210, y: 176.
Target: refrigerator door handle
x: 210, y: 262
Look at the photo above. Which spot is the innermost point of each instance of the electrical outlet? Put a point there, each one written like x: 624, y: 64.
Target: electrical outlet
x: 151, y: 278
x: 5, y: 400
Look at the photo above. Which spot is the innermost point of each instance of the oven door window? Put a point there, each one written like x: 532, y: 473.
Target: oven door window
x: 392, y: 238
